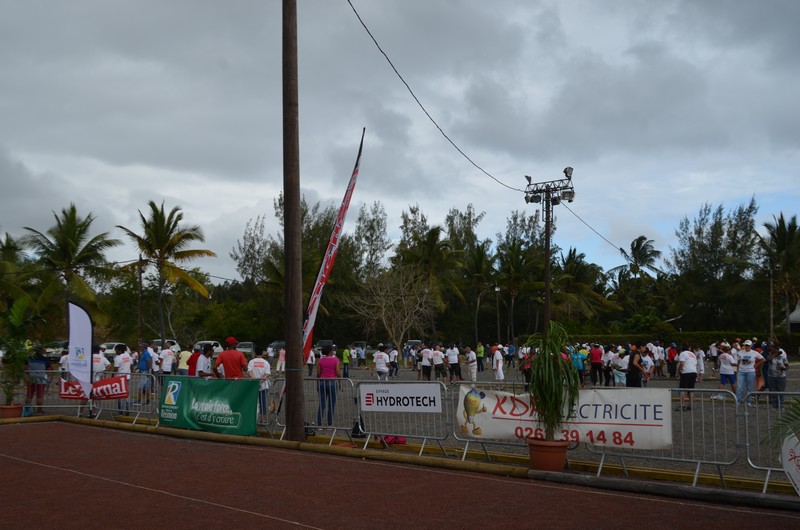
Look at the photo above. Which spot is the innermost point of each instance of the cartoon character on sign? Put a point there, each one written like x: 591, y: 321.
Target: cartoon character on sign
x: 472, y: 407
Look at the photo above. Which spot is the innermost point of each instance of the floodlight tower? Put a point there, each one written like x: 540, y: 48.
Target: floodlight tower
x: 549, y: 193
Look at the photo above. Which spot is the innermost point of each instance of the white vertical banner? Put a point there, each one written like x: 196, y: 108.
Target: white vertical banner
x: 80, y: 346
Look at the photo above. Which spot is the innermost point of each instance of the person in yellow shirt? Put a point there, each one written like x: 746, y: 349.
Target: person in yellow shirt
x: 183, y: 362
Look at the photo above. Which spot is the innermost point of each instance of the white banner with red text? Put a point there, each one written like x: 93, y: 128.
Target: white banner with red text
x: 111, y: 388
x: 630, y: 418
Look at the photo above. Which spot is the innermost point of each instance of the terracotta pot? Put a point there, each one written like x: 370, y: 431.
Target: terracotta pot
x: 10, y: 411
x: 547, y: 456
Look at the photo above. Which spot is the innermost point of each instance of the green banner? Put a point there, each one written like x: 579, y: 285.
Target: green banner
x: 227, y: 406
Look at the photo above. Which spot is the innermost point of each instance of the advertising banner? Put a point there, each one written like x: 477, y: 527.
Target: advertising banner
x: 401, y: 397
x: 80, y: 346
x: 226, y: 406
x: 790, y: 458
x: 110, y: 388
x: 630, y: 418
x: 329, y: 258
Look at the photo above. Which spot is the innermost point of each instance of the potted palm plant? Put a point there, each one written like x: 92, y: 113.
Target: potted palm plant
x: 15, y: 355
x: 554, y: 391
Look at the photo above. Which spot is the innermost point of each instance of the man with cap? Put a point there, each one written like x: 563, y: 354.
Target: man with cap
x: 750, y: 362
x: 380, y: 363
x: 232, y: 360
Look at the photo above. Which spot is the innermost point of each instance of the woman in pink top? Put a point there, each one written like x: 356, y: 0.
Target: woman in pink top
x: 328, y: 370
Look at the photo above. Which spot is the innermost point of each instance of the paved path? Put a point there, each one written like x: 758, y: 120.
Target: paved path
x: 77, y: 476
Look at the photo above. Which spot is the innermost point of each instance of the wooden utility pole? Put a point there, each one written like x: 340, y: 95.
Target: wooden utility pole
x: 293, y: 297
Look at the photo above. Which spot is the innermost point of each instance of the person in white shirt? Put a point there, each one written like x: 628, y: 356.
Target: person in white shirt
x: 439, y: 369
x: 701, y: 363
x: 425, y: 362
x: 687, y: 370
x: 648, y: 365
x: 497, y: 366
x: 394, y: 367
x: 99, y: 364
x: 380, y: 363
x: 122, y: 365
x: 454, y: 367
x: 63, y: 362
x: 750, y: 362
x: 167, y: 357
x: 727, y: 370
x: 203, y: 368
x: 472, y: 364
x: 258, y: 368
x: 311, y: 361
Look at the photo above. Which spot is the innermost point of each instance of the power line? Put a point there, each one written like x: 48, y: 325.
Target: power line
x: 423, y: 107
x: 374, y: 40
x: 620, y: 249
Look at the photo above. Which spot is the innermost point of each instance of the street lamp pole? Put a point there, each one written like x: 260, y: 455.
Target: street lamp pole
x: 497, y: 304
x: 549, y: 193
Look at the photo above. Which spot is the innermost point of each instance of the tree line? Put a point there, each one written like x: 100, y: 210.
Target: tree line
x: 438, y: 282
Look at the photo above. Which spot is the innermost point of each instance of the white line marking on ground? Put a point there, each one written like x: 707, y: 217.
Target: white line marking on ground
x: 192, y: 499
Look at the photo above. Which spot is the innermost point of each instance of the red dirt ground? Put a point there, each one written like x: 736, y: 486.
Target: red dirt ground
x: 62, y: 475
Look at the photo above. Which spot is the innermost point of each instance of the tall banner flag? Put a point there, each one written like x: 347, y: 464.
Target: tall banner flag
x: 329, y: 258
x: 80, y: 347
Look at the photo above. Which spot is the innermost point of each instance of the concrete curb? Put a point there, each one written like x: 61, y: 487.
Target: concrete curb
x: 679, y: 491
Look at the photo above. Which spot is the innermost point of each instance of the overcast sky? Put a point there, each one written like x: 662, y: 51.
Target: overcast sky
x: 659, y: 107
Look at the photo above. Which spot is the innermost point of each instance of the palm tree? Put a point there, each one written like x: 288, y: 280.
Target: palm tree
x: 67, y: 250
x: 642, y: 257
x: 164, y: 243
x: 782, y: 247
x: 13, y: 273
x: 478, y: 268
x: 579, y: 286
x: 514, y: 272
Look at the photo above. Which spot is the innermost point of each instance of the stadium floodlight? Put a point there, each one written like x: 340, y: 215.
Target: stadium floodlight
x: 568, y: 172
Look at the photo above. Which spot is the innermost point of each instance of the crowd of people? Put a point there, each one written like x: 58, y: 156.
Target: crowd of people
x: 743, y: 366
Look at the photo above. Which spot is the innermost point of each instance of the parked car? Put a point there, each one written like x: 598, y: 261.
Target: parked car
x: 247, y: 348
x: 202, y: 344
x: 321, y: 344
x: 54, y: 350
x: 109, y: 349
x: 276, y: 346
x: 175, y: 346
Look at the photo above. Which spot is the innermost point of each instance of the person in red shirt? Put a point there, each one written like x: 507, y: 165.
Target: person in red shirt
x: 672, y: 364
x: 192, y: 362
x: 596, y: 358
x: 232, y: 360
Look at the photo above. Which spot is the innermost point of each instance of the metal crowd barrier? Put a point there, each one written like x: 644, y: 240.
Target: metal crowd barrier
x: 705, y: 434
x: 338, y: 397
x: 761, y: 448
x: 427, y: 426
x: 144, y: 394
x: 716, y: 431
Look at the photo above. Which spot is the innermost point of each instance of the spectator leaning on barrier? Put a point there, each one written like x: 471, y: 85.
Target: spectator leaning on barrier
x: 37, y: 381
x: 203, y: 367
x: 192, y: 362
x: 183, y: 362
x: 231, y: 360
x: 328, y: 370
x: 99, y: 362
